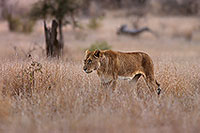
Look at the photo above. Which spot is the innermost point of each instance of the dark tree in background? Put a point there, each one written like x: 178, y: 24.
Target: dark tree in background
x: 53, y: 47
x: 3, y: 5
x: 59, y: 10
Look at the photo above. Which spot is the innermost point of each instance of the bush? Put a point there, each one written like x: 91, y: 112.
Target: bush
x: 17, y: 24
x: 94, y: 23
x: 28, y: 26
x: 101, y: 45
x: 14, y: 23
x: 176, y: 7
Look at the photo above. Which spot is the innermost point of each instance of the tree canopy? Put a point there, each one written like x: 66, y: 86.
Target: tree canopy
x: 55, y: 8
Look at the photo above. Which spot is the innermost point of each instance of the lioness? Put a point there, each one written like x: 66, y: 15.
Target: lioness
x: 112, y: 65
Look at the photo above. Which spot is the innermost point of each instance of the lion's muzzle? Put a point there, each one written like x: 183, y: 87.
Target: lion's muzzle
x: 86, y: 70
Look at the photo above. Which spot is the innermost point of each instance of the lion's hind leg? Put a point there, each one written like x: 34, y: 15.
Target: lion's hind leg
x: 133, y: 81
x: 152, y: 85
x: 158, y: 89
x: 135, y: 78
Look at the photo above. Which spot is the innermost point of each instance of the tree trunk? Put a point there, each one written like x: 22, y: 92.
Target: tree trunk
x: 53, y: 46
x: 60, y: 33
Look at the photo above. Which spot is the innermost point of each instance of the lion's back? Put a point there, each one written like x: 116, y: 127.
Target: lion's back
x: 127, y: 63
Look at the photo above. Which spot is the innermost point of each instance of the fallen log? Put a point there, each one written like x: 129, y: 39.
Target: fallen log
x: 123, y: 30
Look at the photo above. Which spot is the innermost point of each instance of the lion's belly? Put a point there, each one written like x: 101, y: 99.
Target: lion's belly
x: 129, y: 76
x: 106, y: 79
x: 125, y: 78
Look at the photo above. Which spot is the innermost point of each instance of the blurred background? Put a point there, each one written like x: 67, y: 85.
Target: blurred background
x: 174, y: 26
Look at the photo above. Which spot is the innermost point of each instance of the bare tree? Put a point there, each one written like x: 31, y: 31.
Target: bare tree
x: 53, y: 46
x: 57, y: 9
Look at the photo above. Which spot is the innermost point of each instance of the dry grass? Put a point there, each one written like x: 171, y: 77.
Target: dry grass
x: 60, y: 97
x: 65, y: 99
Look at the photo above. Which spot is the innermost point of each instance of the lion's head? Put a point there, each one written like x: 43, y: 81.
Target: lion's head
x: 92, y: 61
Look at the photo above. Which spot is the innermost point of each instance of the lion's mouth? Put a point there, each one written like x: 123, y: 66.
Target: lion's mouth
x: 88, y: 72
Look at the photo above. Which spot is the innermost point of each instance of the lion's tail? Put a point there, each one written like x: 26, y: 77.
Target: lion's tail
x: 159, y: 89
x: 157, y: 83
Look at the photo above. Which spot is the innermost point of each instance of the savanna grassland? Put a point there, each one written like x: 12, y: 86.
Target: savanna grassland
x: 42, y: 95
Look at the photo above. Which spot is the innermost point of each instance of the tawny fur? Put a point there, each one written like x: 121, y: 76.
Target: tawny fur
x: 113, y: 65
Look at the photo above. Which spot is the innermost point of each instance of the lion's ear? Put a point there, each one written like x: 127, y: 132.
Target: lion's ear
x: 87, y: 52
x: 97, y: 53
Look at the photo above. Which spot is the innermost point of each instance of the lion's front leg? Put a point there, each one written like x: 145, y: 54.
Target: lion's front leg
x: 109, y: 86
x: 104, y: 91
x: 105, y: 86
x: 107, y: 90
x: 113, y: 85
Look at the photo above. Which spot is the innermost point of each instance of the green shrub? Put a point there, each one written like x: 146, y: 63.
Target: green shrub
x: 94, y: 23
x: 101, y: 45
x: 17, y: 24
x: 28, y: 26
x: 14, y: 23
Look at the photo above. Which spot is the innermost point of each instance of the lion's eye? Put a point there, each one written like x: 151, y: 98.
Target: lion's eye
x: 89, y: 61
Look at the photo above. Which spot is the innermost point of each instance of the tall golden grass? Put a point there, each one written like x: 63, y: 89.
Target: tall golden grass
x: 62, y: 98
